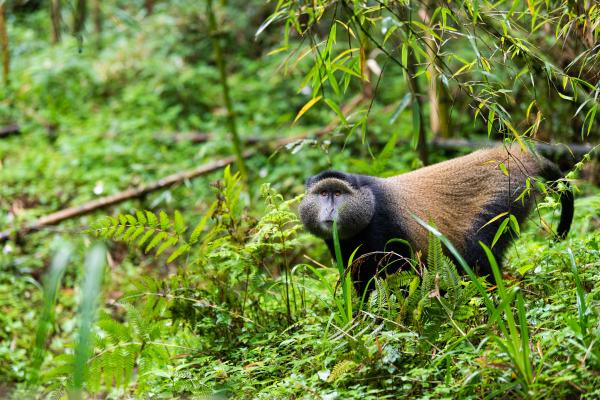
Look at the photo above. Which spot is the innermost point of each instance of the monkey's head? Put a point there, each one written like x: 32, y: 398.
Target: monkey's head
x: 335, y: 196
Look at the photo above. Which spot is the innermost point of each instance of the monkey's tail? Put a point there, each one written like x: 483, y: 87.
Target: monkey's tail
x: 551, y: 172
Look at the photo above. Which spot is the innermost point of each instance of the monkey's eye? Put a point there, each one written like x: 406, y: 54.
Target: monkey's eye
x: 324, y: 193
x: 338, y: 193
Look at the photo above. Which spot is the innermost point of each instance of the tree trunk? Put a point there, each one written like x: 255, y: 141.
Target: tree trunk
x: 97, y: 16
x: 4, y: 45
x: 55, y: 19
x: 98, y: 23
x: 149, y: 6
x: 79, y: 17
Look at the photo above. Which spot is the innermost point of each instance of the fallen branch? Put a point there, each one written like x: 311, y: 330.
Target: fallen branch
x: 9, y: 130
x: 193, y: 137
x: 76, y: 211
x: 59, y: 216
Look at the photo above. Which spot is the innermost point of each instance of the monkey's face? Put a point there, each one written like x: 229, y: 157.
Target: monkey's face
x: 333, y: 199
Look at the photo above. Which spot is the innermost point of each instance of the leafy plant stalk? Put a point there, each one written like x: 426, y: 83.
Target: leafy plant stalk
x: 581, y: 303
x: 214, y: 34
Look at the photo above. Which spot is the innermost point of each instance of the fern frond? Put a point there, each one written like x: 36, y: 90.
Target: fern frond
x: 341, y: 368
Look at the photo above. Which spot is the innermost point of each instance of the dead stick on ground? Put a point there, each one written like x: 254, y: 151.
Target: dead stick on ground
x: 9, y: 130
x: 170, y: 180
x: 54, y: 218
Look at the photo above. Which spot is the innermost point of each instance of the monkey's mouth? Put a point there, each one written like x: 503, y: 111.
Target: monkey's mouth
x: 327, y: 225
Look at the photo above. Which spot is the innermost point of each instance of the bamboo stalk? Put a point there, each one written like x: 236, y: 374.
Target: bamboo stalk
x: 231, y: 121
x: 55, y: 19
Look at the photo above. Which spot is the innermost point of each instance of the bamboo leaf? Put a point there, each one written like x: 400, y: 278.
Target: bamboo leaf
x: 515, y: 224
x: 332, y: 104
x: 500, y: 231
x: 307, y: 107
x: 401, y: 107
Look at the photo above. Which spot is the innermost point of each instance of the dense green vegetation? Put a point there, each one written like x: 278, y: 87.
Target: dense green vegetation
x: 211, y: 287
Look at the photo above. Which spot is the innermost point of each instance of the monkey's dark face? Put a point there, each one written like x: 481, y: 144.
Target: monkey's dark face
x: 333, y: 199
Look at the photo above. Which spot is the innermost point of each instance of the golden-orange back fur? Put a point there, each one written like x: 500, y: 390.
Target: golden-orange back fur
x: 451, y: 192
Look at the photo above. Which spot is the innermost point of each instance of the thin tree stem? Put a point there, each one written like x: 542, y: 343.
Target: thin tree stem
x: 231, y: 122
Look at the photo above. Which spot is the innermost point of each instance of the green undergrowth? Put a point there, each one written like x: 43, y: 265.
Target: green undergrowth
x: 231, y: 307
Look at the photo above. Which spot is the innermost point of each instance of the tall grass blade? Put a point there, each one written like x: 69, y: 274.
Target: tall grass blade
x: 344, y: 278
x: 90, y: 289
x: 582, y: 311
x: 51, y: 284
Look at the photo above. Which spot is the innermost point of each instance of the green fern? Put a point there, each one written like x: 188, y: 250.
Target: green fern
x: 341, y: 368
x: 426, y: 302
